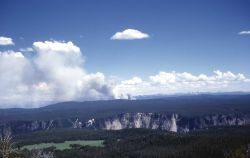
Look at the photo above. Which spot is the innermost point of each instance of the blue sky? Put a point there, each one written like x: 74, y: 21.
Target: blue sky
x: 185, y: 40
x: 197, y: 36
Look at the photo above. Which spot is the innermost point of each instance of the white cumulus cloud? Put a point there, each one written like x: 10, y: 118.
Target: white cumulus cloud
x: 54, y: 74
x: 56, y: 47
x: 129, y: 34
x: 244, y: 33
x: 133, y: 81
x: 6, y: 41
x: 185, y: 82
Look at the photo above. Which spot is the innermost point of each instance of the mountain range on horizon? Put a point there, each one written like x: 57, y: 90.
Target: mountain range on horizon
x: 174, y: 113
x: 141, y: 97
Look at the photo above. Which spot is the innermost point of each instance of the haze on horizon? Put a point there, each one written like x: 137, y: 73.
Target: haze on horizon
x: 53, y: 51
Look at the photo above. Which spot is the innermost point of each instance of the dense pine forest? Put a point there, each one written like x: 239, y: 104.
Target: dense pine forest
x: 219, y: 142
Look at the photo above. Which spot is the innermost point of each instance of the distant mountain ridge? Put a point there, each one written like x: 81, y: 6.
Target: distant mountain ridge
x: 158, y: 96
x: 187, y: 112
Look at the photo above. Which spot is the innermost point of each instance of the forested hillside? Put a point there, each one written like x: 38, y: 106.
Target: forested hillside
x: 220, y: 142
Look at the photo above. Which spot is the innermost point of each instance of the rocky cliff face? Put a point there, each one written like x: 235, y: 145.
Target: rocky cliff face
x: 170, y: 122
x: 163, y: 121
x: 16, y: 127
x: 140, y: 120
x: 28, y: 126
